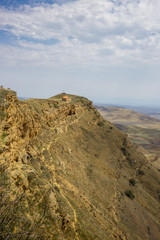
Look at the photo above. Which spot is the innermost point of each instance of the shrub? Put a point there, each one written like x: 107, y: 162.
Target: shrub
x: 124, y: 150
x: 100, y: 124
x: 141, y: 172
x: 56, y: 105
x: 4, y: 134
x: 129, y: 194
x: 132, y: 182
x: 130, y: 161
x: 3, y: 115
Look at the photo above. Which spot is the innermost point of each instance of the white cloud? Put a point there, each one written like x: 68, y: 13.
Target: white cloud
x: 98, y: 33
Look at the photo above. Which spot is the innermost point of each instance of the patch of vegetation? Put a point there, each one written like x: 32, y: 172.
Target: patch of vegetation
x: 124, y: 150
x: 3, y: 94
x: 56, y: 130
x: 4, y: 134
x: 132, y: 182
x: 46, y: 174
x: 148, y: 228
x: 89, y: 171
x: 56, y: 105
x: 46, y: 155
x: 100, y: 124
x: 87, y: 133
x: 35, y: 162
x: 9, y: 209
x: 129, y: 194
x: 130, y: 161
x: 31, y: 177
x: 96, y: 155
x: 36, y: 109
x: 37, y: 182
x: 125, y: 142
x: 82, y: 100
x: 128, y: 155
x: 4, y: 180
x: 3, y: 115
x: 57, y: 189
x: 141, y: 172
x: 13, y: 222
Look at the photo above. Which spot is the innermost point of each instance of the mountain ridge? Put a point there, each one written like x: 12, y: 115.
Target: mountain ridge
x: 73, y: 171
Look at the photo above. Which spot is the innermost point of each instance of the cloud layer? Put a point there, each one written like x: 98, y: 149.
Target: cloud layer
x: 82, y: 33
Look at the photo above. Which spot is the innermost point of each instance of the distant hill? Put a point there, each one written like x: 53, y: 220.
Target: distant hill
x: 142, y: 130
x: 22, y: 98
x: 66, y: 173
x: 140, y: 109
x: 155, y: 115
x: 123, y: 115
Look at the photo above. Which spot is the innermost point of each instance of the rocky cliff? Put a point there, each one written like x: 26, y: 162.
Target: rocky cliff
x: 67, y: 174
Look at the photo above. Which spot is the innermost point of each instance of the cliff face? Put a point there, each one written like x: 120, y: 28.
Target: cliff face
x: 67, y: 174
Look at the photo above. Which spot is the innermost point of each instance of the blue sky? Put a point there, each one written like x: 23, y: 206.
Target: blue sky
x: 108, y: 51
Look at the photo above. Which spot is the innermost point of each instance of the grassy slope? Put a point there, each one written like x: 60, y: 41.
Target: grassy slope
x: 104, y: 177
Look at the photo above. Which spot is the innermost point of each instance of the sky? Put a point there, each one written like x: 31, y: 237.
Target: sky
x: 105, y: 50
